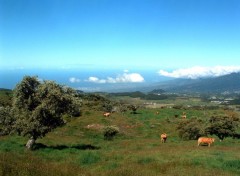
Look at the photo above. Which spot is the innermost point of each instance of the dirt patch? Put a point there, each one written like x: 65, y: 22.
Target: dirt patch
x: 95, y: 126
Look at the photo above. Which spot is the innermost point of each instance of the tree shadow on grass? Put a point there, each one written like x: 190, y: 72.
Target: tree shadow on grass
x: 135, y: 113
x: 39, y: 146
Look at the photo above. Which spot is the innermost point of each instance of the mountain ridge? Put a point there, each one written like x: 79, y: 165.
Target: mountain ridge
x: 230, y: 82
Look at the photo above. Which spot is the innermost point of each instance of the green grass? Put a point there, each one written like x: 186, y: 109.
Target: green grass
x: 136, y: 150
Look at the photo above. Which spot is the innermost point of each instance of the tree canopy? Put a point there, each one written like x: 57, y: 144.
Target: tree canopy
x: 39, y: 106
x: 222, y: 126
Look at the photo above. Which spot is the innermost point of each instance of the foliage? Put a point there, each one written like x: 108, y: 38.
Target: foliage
x: 122, y: 108
x: 107, y: 107
x: 109, y: 132
x: 39, y: 107
x: 96, y: 102
x: 157, y: 91
x: 5, y: 97
x: 133, y: 108
x: 178, y: 107
x: 223, y: 126
x: 152, y: 96
x: 6, y: 120
x: 157, y: 94
x: 190, y: 129
x: 136, y: 94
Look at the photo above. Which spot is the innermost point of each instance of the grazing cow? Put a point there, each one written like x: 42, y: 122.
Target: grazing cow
x: 157, y: 113
x: 184, y: 116
x: 163, y: 137
x: 106, y: 114
x: 205, y: 140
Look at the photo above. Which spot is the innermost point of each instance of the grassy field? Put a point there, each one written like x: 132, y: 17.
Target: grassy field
x: 77, y: 150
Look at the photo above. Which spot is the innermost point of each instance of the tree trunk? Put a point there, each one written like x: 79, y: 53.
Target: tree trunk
x: 30, y: 143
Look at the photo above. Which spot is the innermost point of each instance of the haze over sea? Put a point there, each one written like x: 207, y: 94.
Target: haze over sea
x: 81, y: 78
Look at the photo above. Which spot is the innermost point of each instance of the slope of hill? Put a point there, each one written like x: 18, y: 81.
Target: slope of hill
x: 229, y: 83
x: 79, y: 148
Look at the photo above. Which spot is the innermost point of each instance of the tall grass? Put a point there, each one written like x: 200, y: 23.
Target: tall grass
x: 12, y: 164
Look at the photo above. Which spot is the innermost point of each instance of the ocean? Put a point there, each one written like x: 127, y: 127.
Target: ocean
x: 79, y: 78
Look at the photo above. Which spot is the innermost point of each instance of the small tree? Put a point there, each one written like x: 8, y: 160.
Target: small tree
x: 134, y: 108
x: 39, y: 107
x: 190, y: 129
x: 109, y: 132
x: 107, y: 107
x: 222, y: 126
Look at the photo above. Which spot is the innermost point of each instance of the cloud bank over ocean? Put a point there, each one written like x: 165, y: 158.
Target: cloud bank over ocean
x: 98, y: 78
x: 200, y: 72
x: 123, y: 78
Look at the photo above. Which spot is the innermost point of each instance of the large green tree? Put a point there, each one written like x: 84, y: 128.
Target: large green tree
x: 223, y: 126
x: 39, y: 107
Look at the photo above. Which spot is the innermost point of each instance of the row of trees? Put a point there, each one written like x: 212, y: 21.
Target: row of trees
x: 38, y: 107
x: 148, y: 96
x: 221, y: 126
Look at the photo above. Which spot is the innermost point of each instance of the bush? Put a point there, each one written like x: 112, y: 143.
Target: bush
x: 109, y: 132
x: 191, y: 129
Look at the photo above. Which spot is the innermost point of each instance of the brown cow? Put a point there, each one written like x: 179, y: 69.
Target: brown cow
x: 106, y: 114
x: 184, y: 116
x: 163, y: 137
x: 205, y: 140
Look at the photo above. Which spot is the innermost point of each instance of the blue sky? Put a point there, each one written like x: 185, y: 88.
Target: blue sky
x: 123, y: 34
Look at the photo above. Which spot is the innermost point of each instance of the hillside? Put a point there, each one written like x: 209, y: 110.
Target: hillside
x: 78, y: 148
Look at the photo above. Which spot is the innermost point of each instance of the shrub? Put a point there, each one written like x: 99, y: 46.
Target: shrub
x: 191, y: 129
x: 109, y: 132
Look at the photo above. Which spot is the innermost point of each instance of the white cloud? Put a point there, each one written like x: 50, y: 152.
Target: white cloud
x: 96, y: 80
x: 124, y: 78
x: 130, y: 77
x: 74, y: 80
x: 199, y: 72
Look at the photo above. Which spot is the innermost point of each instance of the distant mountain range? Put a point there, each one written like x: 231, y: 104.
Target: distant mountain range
x: 230, y: 83
x: 224, y: 83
